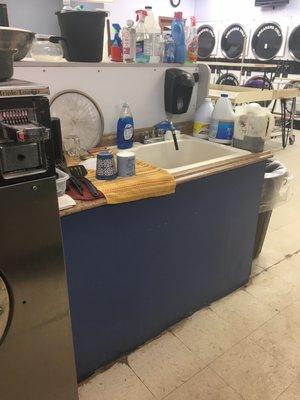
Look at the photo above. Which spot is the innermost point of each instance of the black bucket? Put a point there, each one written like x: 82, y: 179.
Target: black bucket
x: 82, y: 33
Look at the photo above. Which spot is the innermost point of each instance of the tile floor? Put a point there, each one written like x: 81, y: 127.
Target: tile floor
x: 245, y: 346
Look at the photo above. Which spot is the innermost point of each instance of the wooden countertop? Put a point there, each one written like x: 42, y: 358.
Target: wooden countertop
x: 183, y: 177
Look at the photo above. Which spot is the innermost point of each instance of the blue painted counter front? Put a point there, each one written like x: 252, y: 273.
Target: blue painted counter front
x: 134, y: 269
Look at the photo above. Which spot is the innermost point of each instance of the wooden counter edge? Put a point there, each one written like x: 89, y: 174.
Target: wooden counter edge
x: 183, y: 177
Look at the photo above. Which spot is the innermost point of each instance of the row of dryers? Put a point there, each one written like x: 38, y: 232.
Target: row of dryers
x: 262, y: 41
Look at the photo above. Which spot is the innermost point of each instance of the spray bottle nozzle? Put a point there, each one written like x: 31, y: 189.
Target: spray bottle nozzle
x: 117, y: 27
x: 141, y: 14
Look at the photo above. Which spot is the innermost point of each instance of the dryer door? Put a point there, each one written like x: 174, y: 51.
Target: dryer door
x: 4, y: 309
x: 267, y: 41
x: 294, y: 43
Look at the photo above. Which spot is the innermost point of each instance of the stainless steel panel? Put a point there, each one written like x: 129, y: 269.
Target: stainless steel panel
x: 36, y: 356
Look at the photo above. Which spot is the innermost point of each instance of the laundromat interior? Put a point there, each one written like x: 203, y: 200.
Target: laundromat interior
x: 150, y: 200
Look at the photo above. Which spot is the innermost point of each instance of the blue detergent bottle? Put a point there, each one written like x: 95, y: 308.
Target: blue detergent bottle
x: 125, y: 128
x: 179, y: 38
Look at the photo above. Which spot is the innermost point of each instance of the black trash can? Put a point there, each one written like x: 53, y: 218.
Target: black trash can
x: 82, y: 33
x: 275, y: 189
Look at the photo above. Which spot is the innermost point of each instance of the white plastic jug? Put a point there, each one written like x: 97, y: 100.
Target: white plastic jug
x: 252, y: 126
x: 222, y: 121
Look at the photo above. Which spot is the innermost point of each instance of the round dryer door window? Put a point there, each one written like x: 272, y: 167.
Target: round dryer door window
x: 267, y: 41
x: 228, y: 79
x: 4, y: 309
x: 232, y: 42
x: 294, y: 43
x: 206, y: 41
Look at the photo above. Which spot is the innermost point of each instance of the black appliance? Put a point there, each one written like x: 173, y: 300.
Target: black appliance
x: 232, y: 42
x: 36, y: 349
x: 82, y: 33
x: 178, y: 90
x: 261, y: 3
x: 3, y: 15
x: 206, y: 41
x: 267, y: 41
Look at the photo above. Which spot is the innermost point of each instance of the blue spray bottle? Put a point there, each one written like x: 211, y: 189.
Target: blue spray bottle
x: 125, y: 128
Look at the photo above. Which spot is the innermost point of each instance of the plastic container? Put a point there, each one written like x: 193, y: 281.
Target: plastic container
x: 154, y: 31
x: 178, y: 34
x: 83, y: 33
x: 125, y: 128
x: 129, y: 42
x: 169, y: 49
x: 61, y: 182
x: 203, y: 119
x: 47, y: 48
x: 252, y: 125
x: 276, y: 190
x: 143, y: 44
x: 222, y: 121
x: 116, y: 49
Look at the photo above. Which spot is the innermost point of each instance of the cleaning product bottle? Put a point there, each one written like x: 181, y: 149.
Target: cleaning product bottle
x: 116, y: 49
x: 169, y: 49
x: 203, y: 119
x: 129, y: 41
x: 179, y: 38
x: 142, y: 39
x: 222, y: 122
x: 125, y: 128
x: 192, y: 42
x: 154, y: 31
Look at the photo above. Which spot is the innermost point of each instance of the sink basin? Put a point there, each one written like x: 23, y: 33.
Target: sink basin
x: 192, y: 153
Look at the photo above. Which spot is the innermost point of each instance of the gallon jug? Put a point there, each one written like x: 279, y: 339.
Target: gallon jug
x: 252, y: 126
x: 154, y: 31
x: 222, y: 121
x: 203, y: 119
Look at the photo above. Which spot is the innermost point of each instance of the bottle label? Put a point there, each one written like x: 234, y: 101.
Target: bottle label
x: 157, y: 45
x: 128, y: 132
x: 221, y: 130
x: 140, y: 46
x: 200, y: 127
x: 128, y: 45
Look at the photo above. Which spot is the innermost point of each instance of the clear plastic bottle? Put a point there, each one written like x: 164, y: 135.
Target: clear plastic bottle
x: 129, y: 41
x: 143, y: 43
x: 125, y: 128
x: 222, y: 121
x: 154, y: 31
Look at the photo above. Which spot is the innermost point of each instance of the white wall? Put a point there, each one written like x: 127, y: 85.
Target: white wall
x: 243, y: 10
x: 123, y: 9
x: 110, y: 86
x: 39, y: 15
x: 36, y: 15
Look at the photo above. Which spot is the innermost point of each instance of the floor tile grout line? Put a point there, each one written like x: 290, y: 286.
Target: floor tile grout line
x: 183, y: 383
x: 286, y: 257
x: 286, y: 389
x: 215, y: 372
x: 143, y: 383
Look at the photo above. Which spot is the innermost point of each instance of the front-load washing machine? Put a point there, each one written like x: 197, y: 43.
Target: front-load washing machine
x: 293, y: 42
x: 268, y: 41
x: 208, y: 38
x: 228, y: 78
x: 234, y: 42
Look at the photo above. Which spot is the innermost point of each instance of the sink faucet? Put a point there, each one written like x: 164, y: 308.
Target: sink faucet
x: 157, y: 133
x: 174, y: 135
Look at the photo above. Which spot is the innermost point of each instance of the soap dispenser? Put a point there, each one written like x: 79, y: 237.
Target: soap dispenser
x: 178, y: 90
